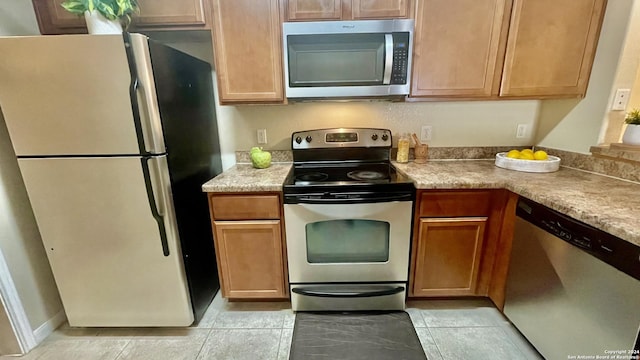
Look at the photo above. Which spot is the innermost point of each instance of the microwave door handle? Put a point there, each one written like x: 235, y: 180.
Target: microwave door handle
x: 388, y: 61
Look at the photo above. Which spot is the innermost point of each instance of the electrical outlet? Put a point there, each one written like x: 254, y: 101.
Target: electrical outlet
x: 521, y: 131
x: 425, y: 133
x: 262, y: 136
x: 621, y: 99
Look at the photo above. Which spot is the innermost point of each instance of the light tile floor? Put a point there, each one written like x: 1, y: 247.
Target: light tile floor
x: 448, y: 330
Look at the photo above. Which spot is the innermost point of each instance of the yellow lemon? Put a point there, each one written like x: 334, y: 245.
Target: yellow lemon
x: 524, y: 155
x: 527, y: 151
x: 514, y: 154
x: 540, y: 155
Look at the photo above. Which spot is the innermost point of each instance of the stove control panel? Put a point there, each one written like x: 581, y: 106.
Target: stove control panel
x: 341, y: 138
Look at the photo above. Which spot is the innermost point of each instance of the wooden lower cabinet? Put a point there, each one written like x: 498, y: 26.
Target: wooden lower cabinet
x: 250, y: 258
x: 250, y: 246
x: 461, y: 243
x: 448, y: 256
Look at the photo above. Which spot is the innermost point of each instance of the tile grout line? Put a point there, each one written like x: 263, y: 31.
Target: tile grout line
x: 426, y: 326
x: 203, y: 344
x: 280, y: 342
x: 435, y: 344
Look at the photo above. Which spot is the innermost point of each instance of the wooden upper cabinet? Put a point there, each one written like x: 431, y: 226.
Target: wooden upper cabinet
x: 172, y: 13
x: 312, y: 10
x: 154, y: 15
x: 459, y: 47
x: 53, y: 19
x: 248, y: 51
x: 380, y: 9
x: 551, y: 47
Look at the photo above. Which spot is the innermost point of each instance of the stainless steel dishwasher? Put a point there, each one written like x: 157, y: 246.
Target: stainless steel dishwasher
x: 572, y: 289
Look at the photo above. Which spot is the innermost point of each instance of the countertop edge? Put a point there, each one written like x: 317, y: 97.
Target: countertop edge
x: 272, y: 180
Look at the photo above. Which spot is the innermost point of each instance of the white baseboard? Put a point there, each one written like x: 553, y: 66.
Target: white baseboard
x: 49, y: 326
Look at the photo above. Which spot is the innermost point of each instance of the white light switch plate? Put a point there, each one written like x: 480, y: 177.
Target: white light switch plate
x: 621, y: 99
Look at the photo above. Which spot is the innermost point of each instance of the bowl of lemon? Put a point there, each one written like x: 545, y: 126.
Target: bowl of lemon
x: 528, y: 160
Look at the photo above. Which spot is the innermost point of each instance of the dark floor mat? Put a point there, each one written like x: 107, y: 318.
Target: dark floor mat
x: 355, y: 336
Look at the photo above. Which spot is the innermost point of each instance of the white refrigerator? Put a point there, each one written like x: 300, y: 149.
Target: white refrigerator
x: 114, y: 135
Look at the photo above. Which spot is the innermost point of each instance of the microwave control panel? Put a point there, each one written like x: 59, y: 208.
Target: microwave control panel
x: 400, y: 58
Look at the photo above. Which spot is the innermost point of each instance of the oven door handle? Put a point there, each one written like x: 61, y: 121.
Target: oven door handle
x: 327, y: 291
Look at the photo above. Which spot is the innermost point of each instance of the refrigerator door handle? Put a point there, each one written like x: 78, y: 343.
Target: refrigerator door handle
x: 143, y: 95
x: 157, y: 198
x: 148, y: 117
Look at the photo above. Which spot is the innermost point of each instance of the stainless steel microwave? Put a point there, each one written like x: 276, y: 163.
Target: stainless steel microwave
x: 348, y: 59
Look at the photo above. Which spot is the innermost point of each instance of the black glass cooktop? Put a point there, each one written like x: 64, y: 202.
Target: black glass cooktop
x: 342, y: 174
x: 345, y: 177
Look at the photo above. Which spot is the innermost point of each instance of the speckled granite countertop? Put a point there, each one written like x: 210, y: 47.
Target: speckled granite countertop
x: 606, y: 203
x: 601, y: 201
x: 244, y: 178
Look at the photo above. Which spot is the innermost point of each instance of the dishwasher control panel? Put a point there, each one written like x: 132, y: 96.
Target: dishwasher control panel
x: 614, y: 251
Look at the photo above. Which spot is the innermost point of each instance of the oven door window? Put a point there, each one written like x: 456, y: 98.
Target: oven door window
x: 347, y: 241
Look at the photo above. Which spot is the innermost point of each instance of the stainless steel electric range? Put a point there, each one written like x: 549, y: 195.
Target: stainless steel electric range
x: 348, y: 217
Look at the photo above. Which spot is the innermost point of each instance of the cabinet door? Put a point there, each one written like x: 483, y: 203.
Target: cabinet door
x: 154, y: 14
x: 447, y: 258
x: 551, y: 47
x: 250, y: 259
x: 166, y: 13
x: 248, y: 51
x: 313, y: 10
x: 380, y: 9
x: 53, y: 19
x: 458, y: 47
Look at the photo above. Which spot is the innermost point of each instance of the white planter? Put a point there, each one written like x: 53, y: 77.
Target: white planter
x: 98, y: 24
x: 631, y: 135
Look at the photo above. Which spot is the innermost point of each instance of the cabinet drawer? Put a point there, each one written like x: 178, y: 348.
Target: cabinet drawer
x: 245, y: 207
x: 455, y: 203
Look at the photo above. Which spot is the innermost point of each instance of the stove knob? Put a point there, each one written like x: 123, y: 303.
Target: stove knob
x: 385, y: 137
x: 374, y: 137
x: 308, y: 138
x: 298, y: 139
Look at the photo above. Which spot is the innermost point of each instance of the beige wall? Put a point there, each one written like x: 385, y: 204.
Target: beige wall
x: 20, y: 241
x: 634, y: 103
x: 8, y: 343
x: 576, y: 125
x: 17, y: 17
x: 625, y: 79
x: 478, y: 123
x: 634, y: 39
